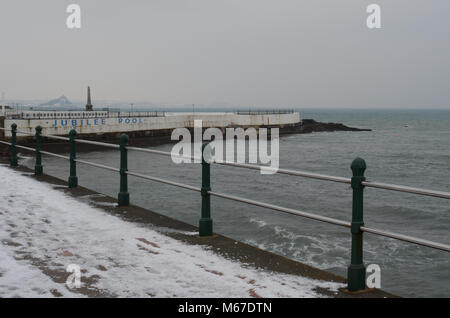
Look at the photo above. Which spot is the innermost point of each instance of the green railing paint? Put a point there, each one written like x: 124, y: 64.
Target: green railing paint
x: 124, y: 195
x: 38, y: 170
x: 14, y: 162
x: 356, y: 274
x: 73, y: 179
x: 206, y: 223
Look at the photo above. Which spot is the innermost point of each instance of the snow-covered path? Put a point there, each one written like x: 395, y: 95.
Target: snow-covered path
x: 43, y: 230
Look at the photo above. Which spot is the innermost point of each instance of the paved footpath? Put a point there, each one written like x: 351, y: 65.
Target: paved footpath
x: 130, y: 252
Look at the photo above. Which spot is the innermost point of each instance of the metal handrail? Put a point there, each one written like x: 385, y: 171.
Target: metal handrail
x: 89, y: 163
x: 249, y: 166
x: 320, y: 218
x: 5, y: 143
x: 400, y: 188
x: 329, y: 220
x: 356, y: 270
x: 163, y: 153
x: 310, y: 175
x: 406, y: 238
x: 371, y: 184
x: 18, y: 131
x: 176, y: 184
x: 251, y: 202
x: 425, y: 192
x: 56, y: 137
x: 97, y: 143
x: 54, y: 155
x: 282, y: 209
x: 26, y: 148
x: 33, y: 149
x: 286, y: 171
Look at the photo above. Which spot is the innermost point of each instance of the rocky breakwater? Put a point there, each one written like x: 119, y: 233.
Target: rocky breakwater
x: 310, y: 125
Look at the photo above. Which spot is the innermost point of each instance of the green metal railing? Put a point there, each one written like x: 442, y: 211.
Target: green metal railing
x: 356, y: 271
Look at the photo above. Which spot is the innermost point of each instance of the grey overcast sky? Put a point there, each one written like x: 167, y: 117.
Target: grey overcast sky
x: 314, y: 53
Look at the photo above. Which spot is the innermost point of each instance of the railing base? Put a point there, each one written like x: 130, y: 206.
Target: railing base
x: 38, y: 170
x: 358, y: 292
x: 73, y: 182
x: 124, y: 199
x: 205, y: 227
x: 356, y: 277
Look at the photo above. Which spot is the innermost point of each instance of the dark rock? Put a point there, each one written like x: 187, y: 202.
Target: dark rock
x: 310, y: 125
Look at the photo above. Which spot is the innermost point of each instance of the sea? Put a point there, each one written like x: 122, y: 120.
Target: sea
x: 405, y: 147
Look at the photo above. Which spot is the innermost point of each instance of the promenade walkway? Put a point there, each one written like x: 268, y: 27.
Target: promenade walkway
x: 130, y: 252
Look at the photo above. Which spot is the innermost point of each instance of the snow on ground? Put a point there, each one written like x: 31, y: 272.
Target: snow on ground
x: 19, y: 279
x: 43, y: 230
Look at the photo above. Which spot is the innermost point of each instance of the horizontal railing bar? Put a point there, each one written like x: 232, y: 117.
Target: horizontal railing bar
x: 406, y: 238
x: 68, y: 139
x: 26, y: 148
x: 286, y: 171
x: 252, y: 202
x: 54, y: 155
x: 392, y: 187
x: 163, y: 153
x: 379, y: 185
x: 32, y: 134
x: 157, y: 152
x: 25, y: 133
x: 399, y: 188
x: 176, y: 184
x: 18, y: 131
x: 282, y: 209
x: 97, y: 143
x: 33, y: 149
x: 97, y: 165
x: 401, y: 237
x: 250, y: 166
x: 5, y: 143
x: 310, y: 175
x: 56, y: 137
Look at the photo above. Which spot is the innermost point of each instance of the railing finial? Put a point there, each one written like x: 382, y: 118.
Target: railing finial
x: 358, y: 167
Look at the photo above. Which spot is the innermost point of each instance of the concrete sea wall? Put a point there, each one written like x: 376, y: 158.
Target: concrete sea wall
x: 99, y: 126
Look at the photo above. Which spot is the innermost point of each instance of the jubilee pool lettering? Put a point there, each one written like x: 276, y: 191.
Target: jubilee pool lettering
x: 129, y: 121
x: 93, y: 122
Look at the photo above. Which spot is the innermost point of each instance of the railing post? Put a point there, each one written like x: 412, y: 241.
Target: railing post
x: 14, y: 162
x: 356, y: 274
x: 124, y: 196
x: 38, y: 170
x: 206, y: 223
x: 73, y: 179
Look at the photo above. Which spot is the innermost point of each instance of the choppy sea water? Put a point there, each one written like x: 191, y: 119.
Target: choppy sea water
x: 406, y: 147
